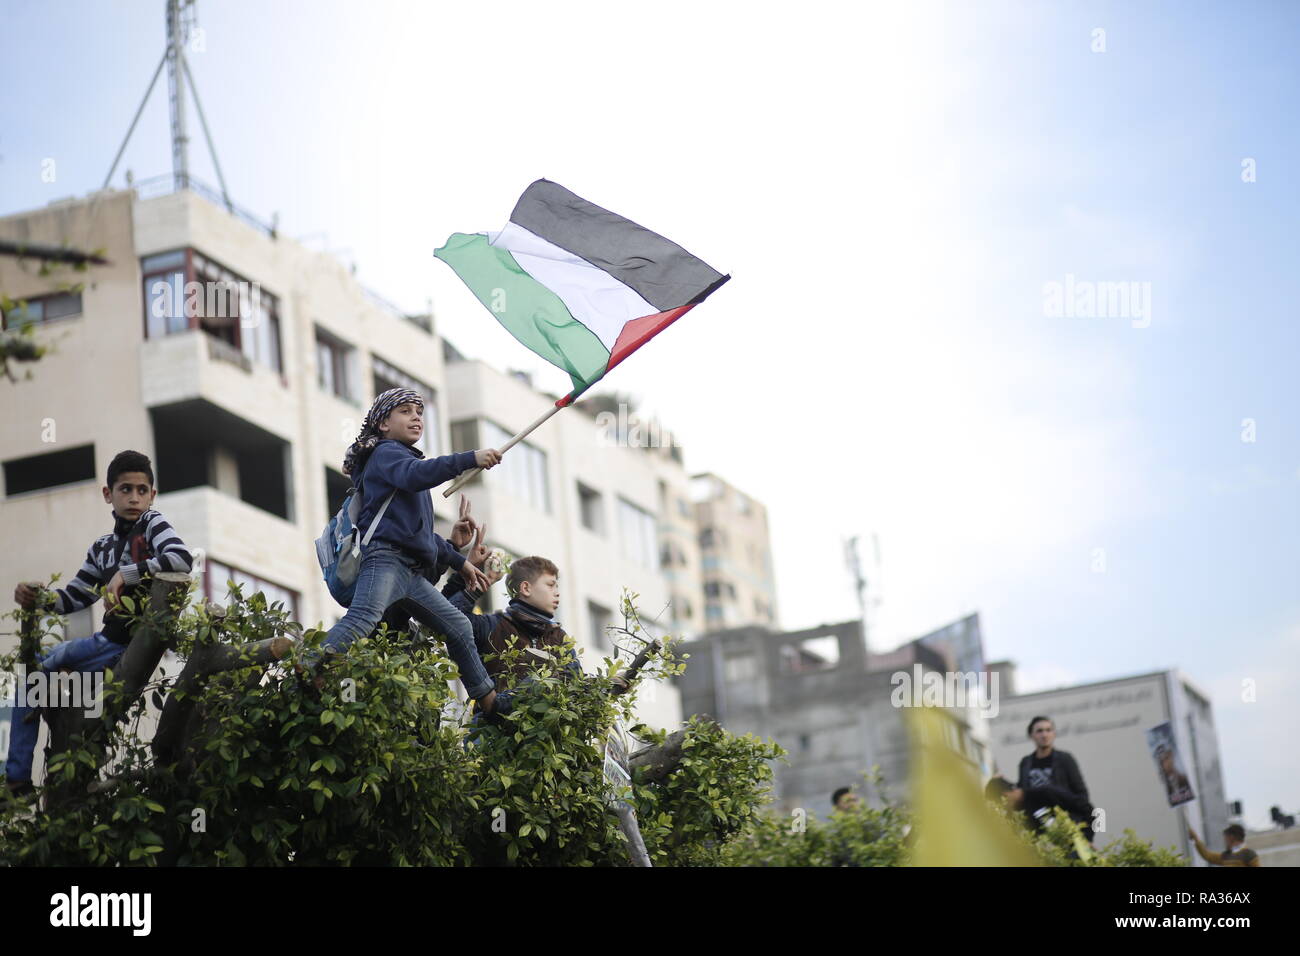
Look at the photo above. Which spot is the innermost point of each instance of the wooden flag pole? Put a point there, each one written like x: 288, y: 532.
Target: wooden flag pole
x: 468, y: 476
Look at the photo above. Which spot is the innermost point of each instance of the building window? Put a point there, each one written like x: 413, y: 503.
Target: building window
x: 165, y: 276
x: 218, y: 577
x: 387, y: 376
x: 720, y: 589
x: 37, y: 472
x: 522, y: 471
x: 40, y: 309
x: 738, y: 667
x: 464, y: 437
x: 184, y: 289
x: 599, y: 619
x: 336, y: 489
x: 683, y: 508
x: 713, y: 538
x: 334, y: 363
x: 811, y: 655
x: 260, y: 327
x: 591, y: 504
x: 639, y: 534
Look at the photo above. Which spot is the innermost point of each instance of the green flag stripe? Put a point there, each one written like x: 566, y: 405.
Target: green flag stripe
x: 530, y: 311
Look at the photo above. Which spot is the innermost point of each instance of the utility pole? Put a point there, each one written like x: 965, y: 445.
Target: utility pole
x: 854, y: 564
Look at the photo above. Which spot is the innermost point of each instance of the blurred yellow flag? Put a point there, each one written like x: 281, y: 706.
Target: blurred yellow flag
x: 954, y: 824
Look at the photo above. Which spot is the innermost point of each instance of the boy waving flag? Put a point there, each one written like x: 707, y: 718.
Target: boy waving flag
x: 579, y: 285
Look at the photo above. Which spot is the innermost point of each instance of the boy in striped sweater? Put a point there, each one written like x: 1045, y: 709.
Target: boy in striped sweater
x: 141, y: 543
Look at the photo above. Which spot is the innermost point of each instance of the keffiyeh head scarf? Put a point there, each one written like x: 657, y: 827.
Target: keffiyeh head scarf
x: 355, y: 459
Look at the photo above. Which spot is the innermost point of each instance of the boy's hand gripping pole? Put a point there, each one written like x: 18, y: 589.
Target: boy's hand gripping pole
x: 468, y: 476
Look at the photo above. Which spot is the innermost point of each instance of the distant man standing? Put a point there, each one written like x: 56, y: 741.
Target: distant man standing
x: 1049, y: 767
x: 1236, y: 854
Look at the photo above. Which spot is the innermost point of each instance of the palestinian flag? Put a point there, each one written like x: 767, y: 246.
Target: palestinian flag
x: 582, y: 287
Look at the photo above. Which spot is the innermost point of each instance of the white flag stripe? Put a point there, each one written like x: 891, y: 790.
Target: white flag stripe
x: 592, y: 295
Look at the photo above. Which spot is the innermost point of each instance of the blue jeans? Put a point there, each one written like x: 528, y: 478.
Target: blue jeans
x: 387, y: 576
x: 85, y: 654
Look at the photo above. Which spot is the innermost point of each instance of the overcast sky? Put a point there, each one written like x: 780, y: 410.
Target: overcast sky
x: 893, y: 189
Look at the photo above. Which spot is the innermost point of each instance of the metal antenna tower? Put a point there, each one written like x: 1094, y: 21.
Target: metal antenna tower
x: 180, y: 29
x: 854, y: 564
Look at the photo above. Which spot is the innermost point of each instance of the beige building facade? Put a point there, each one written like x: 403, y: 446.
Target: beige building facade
x: 736, y: 556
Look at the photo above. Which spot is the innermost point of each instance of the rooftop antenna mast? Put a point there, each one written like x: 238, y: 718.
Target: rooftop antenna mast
x: 854, y: 564
x: 181, y: 26
x: 177, y: 22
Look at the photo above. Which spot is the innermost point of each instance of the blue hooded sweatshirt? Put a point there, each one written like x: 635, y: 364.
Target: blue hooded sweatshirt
x: 408, y: 522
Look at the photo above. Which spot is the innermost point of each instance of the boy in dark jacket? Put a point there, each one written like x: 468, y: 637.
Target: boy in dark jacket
x: 141, y: 543
x: 383, y: 461
x: 515, y: 641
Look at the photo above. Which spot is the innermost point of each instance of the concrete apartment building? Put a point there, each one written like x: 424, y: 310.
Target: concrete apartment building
x: 679, y: 536
x: 1104, y: 726
x: 736, y: 555
x: 823, y: 698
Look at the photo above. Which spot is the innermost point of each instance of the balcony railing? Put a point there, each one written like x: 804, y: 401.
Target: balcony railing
x: 169, y: 183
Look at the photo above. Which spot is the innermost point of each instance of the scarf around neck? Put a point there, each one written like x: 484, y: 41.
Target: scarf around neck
x: 529, y: 617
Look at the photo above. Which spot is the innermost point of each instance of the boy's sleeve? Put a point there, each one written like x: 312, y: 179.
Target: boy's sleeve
x: 1208, y: 855
x: 170, y: 553
x: 450, y: 555
x: 483, y: 625
x: 463, y: 599
x: 80, y: 592
x: 404, y: 471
